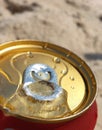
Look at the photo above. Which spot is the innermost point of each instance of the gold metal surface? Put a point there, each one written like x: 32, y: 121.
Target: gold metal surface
x: 74, y: 76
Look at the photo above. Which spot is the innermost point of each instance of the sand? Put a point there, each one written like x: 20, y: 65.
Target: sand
x: 73, y: 24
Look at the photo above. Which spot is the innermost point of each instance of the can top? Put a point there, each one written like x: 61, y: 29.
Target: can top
x: 40, y: 81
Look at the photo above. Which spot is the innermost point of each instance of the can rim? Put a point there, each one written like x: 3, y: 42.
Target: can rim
x: 68, y: 55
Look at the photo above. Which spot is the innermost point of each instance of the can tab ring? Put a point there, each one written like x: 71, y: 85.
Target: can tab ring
x: 39, y: 77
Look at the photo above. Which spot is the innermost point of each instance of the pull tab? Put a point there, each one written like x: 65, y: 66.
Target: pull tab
x: 41, y: 97
x: 40, y: 82
x: 38, y: 72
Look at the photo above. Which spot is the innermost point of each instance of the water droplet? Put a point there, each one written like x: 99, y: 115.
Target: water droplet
x: 80, y: 65
x: 91, y: 75
x: 29, y: 54
x: 72, y: 87
x: 82, y: 62
x: 57, y: 60
x: 67, y: 55
x: 45, y: 46
x: 15, y: 59
x: 92, y: 87
x: 63, y: 71
x: 72, y: 78
x: 94, y: 83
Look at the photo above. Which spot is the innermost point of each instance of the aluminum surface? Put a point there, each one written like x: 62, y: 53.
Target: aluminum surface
x: 68, y: 73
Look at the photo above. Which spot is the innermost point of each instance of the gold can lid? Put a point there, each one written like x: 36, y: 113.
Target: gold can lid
x: 44, y: 82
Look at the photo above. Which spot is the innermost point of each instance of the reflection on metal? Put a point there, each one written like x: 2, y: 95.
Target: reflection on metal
x: 49, y: 92
x: 48, y: 79
x: 38, y: 72
x: 8, y: 129
x: 44, y: 82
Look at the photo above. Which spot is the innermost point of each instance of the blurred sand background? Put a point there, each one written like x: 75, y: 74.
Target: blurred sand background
x: 73, y: 24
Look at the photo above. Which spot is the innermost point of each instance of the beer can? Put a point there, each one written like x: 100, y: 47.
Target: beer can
x: 42, y: 83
